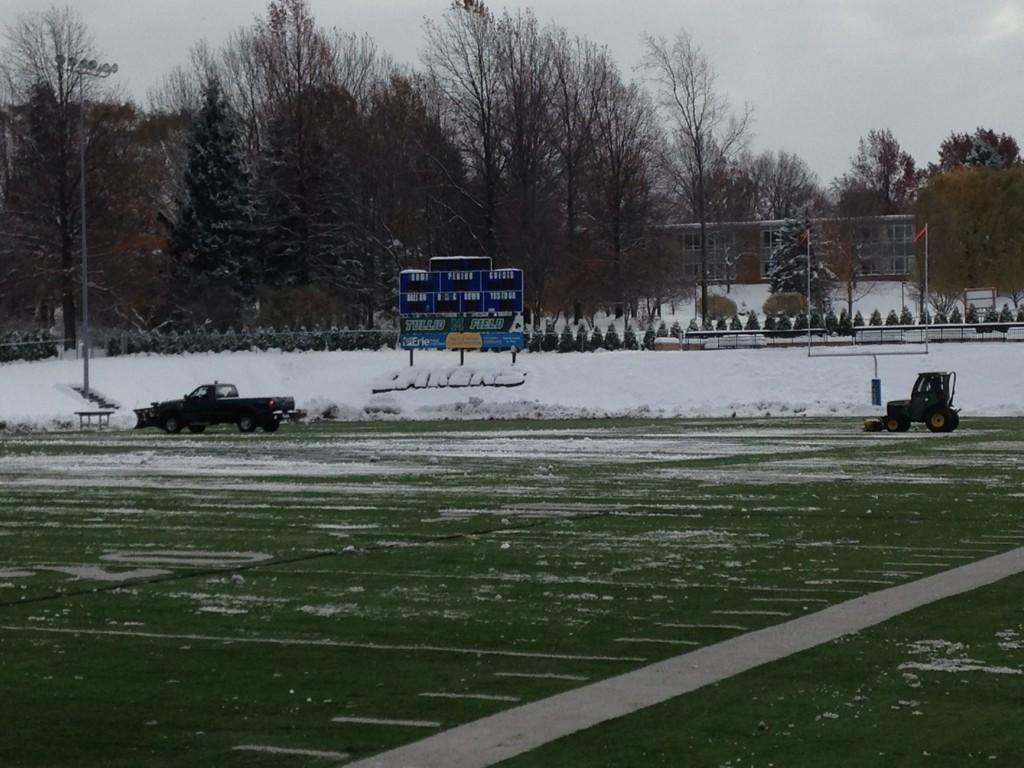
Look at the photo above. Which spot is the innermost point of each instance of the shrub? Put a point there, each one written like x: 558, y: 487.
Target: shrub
x: 582, y: 338
x: 831, y: 323
x: 677, y: 330
x: 566, y: 343
x: 926, y: 318
x: 549, y: 341
x: 785, y: 303
x: 611, y: 338
x: 800, y: 324
x: 783, y: 323
x: 955, y: 317
x: 858, y: 320
x: 906, y: 317
x: 663, y: 330
x: 1006, y: 314
x: 629, y: 340
x: 876, y: 318
x: 718, y: 307
x: 534, y: 343
x: 769, y: 323
x: 649, y: 337
x: 1020, y: 314
x: 892, y: 318
x: 845, y: 326
x: 693, y: 325
x: 972, y: 314
x: 940, y: 318
x: 991, y: 316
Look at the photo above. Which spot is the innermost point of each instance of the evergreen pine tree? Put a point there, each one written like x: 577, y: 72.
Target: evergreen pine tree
x: 752, y: 322
x: 721, y: 324
x: 663, y: 329
x: 582, y: 340
x: 787, y: 264
x: 535, y: 341
x: 940, y: 318
x: 831, y: 322
x: 649, y: 338
x: 955, y: 317
x: 1006, y: 314
x: 892, y: 318
x: 972, y: 314
x: 816, y: 322
x: 926, y: 317
x: 629, y: 339
x: 783, y: 323
x: 858, y: 320
x: 693, y: 325
x: 735, y: 324
x: 876, y: 318
x: 769, y: 323
x: 991, y: 316
x: 596, y: 339
x: 800, y: 324
x: 566, y: 343
x: 611, y: 338
x: 676, y: 331
x: 1020, y: 314
x: 845, y: 325
x: 906, y: 317
x: 212, y: 238
x: 549, y: 343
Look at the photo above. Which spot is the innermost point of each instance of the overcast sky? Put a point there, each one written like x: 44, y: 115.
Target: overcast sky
x: 819, y: 73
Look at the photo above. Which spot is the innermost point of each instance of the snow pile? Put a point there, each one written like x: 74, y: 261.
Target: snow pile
x: 754, y: 382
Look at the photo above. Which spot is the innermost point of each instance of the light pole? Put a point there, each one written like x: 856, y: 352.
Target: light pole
x: 84, y: 68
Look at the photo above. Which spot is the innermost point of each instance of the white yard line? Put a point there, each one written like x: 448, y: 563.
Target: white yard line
x: 321, y: 643
x: 662, y: 640
x: 518, y: 730
x: 284, y: 751
x: 542, y: 675
x: 476, y: 696
x: 386, y: 721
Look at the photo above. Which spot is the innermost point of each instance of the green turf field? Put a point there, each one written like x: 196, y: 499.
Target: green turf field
x: 331, y: 591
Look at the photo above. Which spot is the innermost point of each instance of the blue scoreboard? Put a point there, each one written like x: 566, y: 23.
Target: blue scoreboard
x: 461, y: 303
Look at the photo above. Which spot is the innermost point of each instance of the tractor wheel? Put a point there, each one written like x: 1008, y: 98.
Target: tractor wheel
x: 954, y: 421
x: 892, y: 424
x: 904, y: 423
x: 938, y: 419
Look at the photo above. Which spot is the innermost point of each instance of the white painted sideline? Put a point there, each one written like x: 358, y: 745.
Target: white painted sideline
x: 492, y: 739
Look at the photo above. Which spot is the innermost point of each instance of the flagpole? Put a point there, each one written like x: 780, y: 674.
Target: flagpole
x: 808, y: 287
x: 926, y: 283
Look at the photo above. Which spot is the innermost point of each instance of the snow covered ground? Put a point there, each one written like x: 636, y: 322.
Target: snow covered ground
x: 757, y: 382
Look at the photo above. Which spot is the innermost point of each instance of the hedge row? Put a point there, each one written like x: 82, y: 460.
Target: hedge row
x: 317, y: 339
x: 27, y: 346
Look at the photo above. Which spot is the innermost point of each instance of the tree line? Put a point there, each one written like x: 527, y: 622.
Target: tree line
x: 286, y: 176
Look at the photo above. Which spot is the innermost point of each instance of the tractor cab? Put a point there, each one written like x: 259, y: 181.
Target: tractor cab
x: 931, y: 402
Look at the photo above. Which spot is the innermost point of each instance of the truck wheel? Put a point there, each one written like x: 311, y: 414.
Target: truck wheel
x: 246, y: 423
x: 197, y: 429
x: 172, y: 424
x: 271, y: 426
x: 938, y: 419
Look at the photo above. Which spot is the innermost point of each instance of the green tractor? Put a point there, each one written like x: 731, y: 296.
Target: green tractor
x: 931, y: 402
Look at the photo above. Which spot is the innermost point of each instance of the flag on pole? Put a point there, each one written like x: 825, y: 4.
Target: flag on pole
x: 921, y: 233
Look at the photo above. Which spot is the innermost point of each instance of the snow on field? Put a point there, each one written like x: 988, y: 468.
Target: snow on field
x: 758, y: 382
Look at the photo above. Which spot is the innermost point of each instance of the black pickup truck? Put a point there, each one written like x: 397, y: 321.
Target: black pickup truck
x: 217, y: 404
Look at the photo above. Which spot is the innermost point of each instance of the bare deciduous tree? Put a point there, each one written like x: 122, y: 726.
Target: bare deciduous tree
x: 704, y: 133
